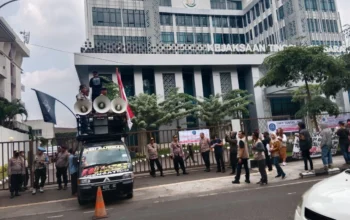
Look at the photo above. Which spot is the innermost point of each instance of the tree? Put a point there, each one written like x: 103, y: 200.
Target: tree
x: 112, y: 88
x: 8, y: 111
x: 213, y: 110
x: 309, y: 65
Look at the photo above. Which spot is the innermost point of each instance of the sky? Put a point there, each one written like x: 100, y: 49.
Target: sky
x: 60, y: 24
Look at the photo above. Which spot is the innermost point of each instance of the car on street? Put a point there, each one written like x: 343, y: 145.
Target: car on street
x: 326, y: 200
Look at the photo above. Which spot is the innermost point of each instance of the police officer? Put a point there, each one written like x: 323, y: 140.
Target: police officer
x: 15, y: 170
x: 152, y: 155
x: 25, y: 175
x: 177, y: 154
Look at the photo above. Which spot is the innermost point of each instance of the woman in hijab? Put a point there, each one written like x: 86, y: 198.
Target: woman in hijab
x: 283, y: 150
x: 275, y: 146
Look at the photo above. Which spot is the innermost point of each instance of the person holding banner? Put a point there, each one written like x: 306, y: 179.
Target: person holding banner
x: 177, y: 154
x: 275, y: 145
x: 283, y: 150
x: 204, y: 144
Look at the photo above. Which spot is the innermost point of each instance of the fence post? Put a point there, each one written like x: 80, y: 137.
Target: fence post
x: 30, y: 161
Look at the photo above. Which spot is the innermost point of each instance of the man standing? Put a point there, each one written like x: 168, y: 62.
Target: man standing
x: 190, y: 153
x: 305, y: 143
x: 204, y: 144
x: 217, y: 144
x: 232, y: 140
x: 243, y: 156
x: 82, y: 96
x: 25, y: 176
x: 61, y: 166
x: 96, y: 85
x: 73, y: 171
x: 343, y: 135
x: 15, y: 170
x: 326, y: 146
x: 40, y: 163
x: 266, y: 142
x: 152, y: 155
x: 177, y: 154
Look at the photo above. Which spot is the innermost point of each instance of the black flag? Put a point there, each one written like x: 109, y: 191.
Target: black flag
x: 47, y: 105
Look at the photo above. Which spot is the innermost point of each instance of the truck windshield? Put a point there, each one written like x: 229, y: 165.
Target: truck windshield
x: 104, y: 155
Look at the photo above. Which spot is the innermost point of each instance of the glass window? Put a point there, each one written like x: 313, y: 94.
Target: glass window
x: 165, y: 3
x: 266, y: 26
x: 329, y: 26
x: 324, y: 26
x: 262, y: 5
x: 261, y: 28
x: 317, y: 29
x: 222, y: 39
x: 251, y: 34
x: 257, y: 10
x: 148, y: 80
x: 220, y: 21
x: 267, y: 4
x: 324, y: 5
x: 200, y: 20
x: 283, y: 106
x: 203, y: 38
x: 270, y: 20
x: 185, y: 38
x: 254, y: 15
x: 256, y: 31
x: 184, y: 20
x: 247, y: 37
x: 331, y: 5
x: 244, y: 21
x: 106, y: 17
x: 336, y: 29
x: 167, y: 37
x: 233, y: 21
x: 239, y: 20
x: 281, y: 13
x: 101, y: 39
x: 234, y: 5
x: 133, y: 18
x: 218, y: 4
x: 166, y: 19
x: 135, y: 40
x: 311, y: 5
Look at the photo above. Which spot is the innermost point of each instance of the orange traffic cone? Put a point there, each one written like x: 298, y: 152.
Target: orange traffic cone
x: 100, y: 209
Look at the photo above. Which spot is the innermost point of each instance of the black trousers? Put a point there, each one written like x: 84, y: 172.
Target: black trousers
x: 307, y: 157
x: 244, y: 163
x: 25, y: 179
x: 190, y: 155
x: 233, y: 161
x: 219, y: 157
x: 40, y: 174
x: 159, y: 166
x: 178, y: 160
x: 206, y: 159
x: 74, y: 182
x: 62, y: 172
x: 15, y: 181
x: 262, y: 170
x: 268, y: 161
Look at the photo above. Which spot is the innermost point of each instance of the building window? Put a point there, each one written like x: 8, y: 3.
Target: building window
x: 185, y: 38
x: 236, y: 21
x: 310, y: 24
x: 167, y: 37
x: 283, y: 106
x: 331, y: 5
x: 207, y: 82
x: 127, y: 75
x: 148, y: 80
x: 166, y: 19
x: 317, y: 29
x: 133, y: 18
x: 270, y: 20
x: 106, y: 17
x: 257, y: 10
x: 168, y: 83
x: 261, y: 28
x: 247, y: 37
x: 336, y: 29
x: 324, y: 5
x: 225, y: 83
x: 311, y: 5
x: 37, y: 132
x: 324, y: 26
x: 201, y: 20
x: 136, y: 40
x: 248, y: 17
x: 267, y: 4
x: 220, y: 21
x: 165, y: 3
x: 281, y: 13
x: 101, y: 39
x: 256, y: 32
x: 234, y: 5
x: 202, y: 38
x: 183, y: 20
x: 266, y: 26
x: 218, y: 4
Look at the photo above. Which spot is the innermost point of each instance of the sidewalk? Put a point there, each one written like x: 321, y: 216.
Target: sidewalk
x: 198, y: 182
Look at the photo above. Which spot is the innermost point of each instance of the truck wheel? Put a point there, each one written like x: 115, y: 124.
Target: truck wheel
x: 129, y: 195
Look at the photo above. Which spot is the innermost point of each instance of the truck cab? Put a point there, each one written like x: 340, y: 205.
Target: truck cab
x: 105, y: 164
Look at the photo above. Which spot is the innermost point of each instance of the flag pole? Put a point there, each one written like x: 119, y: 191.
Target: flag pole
x: 61, y: 103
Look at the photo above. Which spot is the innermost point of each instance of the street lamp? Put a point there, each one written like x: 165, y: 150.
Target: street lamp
x: 6, y: 3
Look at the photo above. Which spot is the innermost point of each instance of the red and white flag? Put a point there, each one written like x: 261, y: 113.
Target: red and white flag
x: 129, y: 113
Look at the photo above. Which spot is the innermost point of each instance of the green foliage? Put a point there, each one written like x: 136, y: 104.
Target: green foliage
x: 300, y: 95
x: 112, y: 88
x: 213, y: 111
x: 318, y: 105
x: 8, y: 110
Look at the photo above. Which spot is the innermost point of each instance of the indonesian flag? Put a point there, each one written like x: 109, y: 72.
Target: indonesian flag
x: 129, y: 113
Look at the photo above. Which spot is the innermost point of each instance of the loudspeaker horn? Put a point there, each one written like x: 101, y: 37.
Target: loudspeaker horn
x: 118, y: 105
x: 83, y: 107
x: 102, y: 104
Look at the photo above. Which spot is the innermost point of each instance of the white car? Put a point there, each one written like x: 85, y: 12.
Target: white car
x: 326, y: 200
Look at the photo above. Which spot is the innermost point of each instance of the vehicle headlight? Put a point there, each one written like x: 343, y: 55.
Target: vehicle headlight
x: 300, y: 205
x: 128, y: 176
x: 83, y: 181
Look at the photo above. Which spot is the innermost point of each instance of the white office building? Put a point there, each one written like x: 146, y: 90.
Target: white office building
x: 196, y: 45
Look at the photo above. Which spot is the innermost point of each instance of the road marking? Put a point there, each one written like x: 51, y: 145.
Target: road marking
x: 37, y: 203
x: 94, y: 211
x: 57, y: 216
x: 291, y: 193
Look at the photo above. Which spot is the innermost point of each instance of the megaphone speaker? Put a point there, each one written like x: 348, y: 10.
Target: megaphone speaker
x: 102, y: 104
x: 83, y: 107
x: 118, y: 105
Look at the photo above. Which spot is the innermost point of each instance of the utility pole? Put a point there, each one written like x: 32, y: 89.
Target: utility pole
x: 6, y: 3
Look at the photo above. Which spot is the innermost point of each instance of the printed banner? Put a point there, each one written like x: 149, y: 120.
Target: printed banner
x: 192, y: 136
x: 332, y: 121
x: 316, y: 148
x: 287, y: 126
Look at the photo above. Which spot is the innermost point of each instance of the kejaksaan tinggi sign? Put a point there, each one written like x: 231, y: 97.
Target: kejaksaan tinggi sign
x: 263, y: 48
x: 287, y: 126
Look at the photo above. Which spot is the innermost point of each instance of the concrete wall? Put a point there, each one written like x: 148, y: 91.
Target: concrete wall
x: 47, y: 129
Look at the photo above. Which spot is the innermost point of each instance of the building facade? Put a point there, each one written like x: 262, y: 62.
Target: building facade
x: 162, y: 44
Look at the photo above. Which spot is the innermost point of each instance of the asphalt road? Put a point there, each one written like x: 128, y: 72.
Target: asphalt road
x: 273, y: 202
